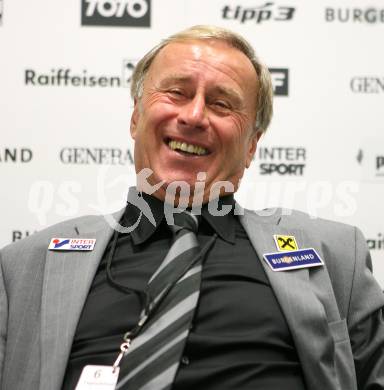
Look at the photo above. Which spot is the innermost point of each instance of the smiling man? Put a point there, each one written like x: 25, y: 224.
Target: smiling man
x: 196, y: 112
x: 218, y: 298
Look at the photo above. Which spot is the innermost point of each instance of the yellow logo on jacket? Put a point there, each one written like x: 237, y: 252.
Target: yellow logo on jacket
x: 285, y: 243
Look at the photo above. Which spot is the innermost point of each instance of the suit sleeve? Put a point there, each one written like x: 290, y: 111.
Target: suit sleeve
x: 366, y: 321
x: 3, y: 319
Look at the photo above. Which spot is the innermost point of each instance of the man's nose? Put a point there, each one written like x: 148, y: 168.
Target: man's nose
x: 193, y: 113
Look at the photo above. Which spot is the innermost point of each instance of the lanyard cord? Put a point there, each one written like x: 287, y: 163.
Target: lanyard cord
x: 147, y: 302
x: 120, y: 286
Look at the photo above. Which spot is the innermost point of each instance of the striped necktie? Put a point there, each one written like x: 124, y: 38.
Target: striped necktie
x: 172, y: 293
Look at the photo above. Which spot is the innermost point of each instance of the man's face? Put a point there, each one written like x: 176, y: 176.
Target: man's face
x: 196, y: 114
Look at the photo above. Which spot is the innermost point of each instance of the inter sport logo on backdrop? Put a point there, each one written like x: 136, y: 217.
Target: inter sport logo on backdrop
x: 367, y: 84
x: 280, y: 81
x: 15, y: 155
x: 259, y: 13
x: 279, y: 160
x: 125, y: 13
x: 354, y: 15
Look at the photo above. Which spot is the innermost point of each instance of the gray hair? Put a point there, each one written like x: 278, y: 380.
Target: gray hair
x: 264, y: 108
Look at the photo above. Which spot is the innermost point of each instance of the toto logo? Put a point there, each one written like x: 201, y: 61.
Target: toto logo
x: 124, y: 13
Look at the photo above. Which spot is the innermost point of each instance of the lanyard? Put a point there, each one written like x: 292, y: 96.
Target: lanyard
x: 150, y: 303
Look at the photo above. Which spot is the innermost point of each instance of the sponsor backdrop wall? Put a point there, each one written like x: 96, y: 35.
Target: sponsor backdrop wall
x: 65, y: 107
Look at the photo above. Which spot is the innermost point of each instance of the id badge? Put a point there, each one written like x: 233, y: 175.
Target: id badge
x: 98, y: 378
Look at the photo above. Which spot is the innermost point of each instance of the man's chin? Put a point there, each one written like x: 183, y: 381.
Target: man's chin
x: 186, y: 191
x: 181, y: 193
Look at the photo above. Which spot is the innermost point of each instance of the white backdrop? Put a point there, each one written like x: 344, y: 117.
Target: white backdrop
x: 65, y: 107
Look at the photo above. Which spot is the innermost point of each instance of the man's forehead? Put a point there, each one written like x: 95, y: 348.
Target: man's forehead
x: 196, y: 46
x: 171, y: 57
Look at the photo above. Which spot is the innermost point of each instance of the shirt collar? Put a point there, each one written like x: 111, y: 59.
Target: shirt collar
x: 149, y: 216
x: 223, y: 225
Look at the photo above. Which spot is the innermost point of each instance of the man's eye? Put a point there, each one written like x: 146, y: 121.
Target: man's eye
x: 221, y: 104
x: 176, y: 92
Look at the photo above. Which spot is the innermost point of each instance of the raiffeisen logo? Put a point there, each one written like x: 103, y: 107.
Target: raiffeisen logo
x: 67, y: 77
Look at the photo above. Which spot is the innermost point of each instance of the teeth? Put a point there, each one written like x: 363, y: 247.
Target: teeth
x: 183, y: 146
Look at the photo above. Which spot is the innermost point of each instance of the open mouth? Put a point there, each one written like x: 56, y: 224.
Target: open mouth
x: 186, y: 148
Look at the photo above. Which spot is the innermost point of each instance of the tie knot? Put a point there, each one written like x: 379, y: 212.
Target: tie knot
x: 186, y: 220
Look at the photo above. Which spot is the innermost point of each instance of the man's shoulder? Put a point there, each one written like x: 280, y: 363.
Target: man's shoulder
x: 65, y: 229
x: 291, y: 218
x: 338, y: 238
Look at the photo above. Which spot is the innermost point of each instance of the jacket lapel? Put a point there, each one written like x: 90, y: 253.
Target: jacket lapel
x: 67, y: 279
x: 302, y: 303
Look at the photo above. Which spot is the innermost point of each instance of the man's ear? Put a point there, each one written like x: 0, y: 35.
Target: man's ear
x: 253, y: 140
x: 134, y: 119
